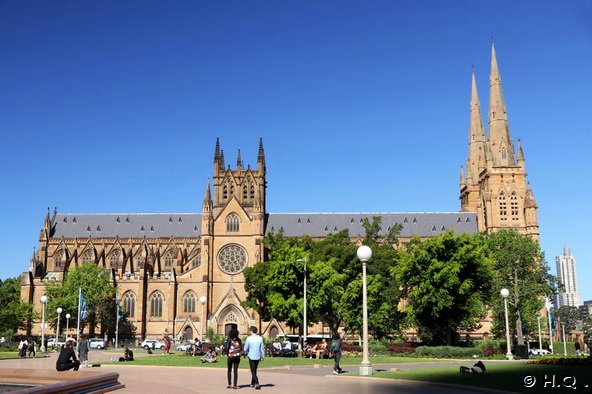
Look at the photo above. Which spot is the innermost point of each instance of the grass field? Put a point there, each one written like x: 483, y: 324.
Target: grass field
x: 181, y: 360
x: 516, y: 377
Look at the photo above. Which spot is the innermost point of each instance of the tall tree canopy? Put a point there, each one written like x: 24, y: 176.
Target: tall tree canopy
x: 520, y: 267
x: 446, y: 281
x: 96, y: 288
x: 14, y: 314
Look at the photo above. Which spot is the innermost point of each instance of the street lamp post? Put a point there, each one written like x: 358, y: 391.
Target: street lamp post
x: 59, y: 311
x: 202, y: 301
x: 540, y: 339
x: 505, y: 293
x: 364, y: 253
x: 68, y: 316
x: 43, y: 302
x: 564, y: 342
x: 116, y: 321
x: 548, y: 304
x: 305, y: 326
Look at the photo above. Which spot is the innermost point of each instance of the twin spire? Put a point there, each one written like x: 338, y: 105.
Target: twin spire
x: 497, y: 149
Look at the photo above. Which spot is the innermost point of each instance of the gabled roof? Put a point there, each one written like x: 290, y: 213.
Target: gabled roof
x: 188, y: 225
x: 127, y: 225
x: 423, y: 224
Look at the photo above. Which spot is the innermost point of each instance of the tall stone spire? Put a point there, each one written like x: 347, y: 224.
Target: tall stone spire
x: 500, y: 141
x: 261, y: 157
x: 476, y: 137
x: 239, y: 162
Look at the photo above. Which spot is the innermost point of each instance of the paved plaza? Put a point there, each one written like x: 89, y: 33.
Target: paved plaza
x: 148, y: 379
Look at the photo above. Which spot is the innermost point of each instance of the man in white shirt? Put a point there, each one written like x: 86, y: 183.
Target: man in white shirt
x: 255, y: 351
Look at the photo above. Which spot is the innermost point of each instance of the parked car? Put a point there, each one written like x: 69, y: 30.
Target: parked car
x: 184, y: 346
x: 539, y: 352
x: 52, y: 342
x: 2, y: 339
x: 152, y: 344
x: 97, y: 343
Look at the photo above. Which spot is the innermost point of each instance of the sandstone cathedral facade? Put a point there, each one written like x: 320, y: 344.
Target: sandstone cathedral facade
x: 165, y: 265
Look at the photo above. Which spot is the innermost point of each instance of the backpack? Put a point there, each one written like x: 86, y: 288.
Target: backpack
x: 234, y: 349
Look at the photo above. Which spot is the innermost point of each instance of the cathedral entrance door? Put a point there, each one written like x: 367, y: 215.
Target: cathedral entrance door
x: 228, y: 327
x: 188, y: 333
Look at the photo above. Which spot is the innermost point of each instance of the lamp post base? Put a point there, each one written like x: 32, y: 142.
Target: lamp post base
x: 366, y: 369
x: 509, y: 356
x: 42, y: 349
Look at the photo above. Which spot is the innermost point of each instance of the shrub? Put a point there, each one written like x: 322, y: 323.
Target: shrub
x: 346, y: 347
x: 375, y: 347
x: 402, y: 348
x: 447, y: 351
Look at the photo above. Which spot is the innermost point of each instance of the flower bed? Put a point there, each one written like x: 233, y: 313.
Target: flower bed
x: 562, y: 361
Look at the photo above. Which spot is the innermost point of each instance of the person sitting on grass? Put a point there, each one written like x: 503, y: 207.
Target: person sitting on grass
x: 128, y: 355
x: 210, y: 356
x: 479, y: 367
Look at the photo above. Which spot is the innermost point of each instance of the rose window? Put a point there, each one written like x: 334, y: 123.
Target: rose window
x: 232, y: 259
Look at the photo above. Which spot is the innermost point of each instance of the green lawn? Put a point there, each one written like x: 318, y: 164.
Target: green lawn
x: 516, y: 377
x: 181, y: 360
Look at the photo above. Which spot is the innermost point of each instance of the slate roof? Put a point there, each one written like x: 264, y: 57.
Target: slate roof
x: 423, y: 224
x: 188, y: 225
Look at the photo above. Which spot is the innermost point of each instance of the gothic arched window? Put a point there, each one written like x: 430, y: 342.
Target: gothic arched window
x: 169, y: 258
x: 59, y: 258
x: 189, y: 302
x: 225, y: 192
x: 245, y: 192
x: 514, y: 205
x: 232, y: 223
x: 129, y: 304
x: 114, y: 258
x: 88, y: 256
x: 504, y: 154
x: 196, y: 261
x: 252, y: 191
x: 503, y: 206
x: 156, y: 305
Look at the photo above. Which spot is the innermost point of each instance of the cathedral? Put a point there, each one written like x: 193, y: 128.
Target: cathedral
x: 182, y: 272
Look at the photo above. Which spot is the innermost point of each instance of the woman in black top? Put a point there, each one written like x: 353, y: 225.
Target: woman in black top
x: 67, y: 359
x: 233, y: 348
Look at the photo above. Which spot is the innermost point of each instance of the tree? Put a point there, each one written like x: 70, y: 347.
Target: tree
x: 446, y: 281
x: 519, y: 266
x: 14, y: 314
x: 569, y: 316
x: 383, y: 290
x: 97, y: 290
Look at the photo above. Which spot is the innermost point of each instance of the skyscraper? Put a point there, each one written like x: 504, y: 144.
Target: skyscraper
x: 566, y: 273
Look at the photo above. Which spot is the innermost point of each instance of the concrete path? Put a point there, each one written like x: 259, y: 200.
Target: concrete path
x: 144, y: 379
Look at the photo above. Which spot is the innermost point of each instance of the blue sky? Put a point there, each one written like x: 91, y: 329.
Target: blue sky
x: 115, y: 106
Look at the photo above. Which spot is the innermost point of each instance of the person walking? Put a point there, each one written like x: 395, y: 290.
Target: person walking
x: 234, y: 348
x: 255, y: 352
x: 83, y: 349
x: 22, y: 347
x: 31, y: 347
x: 336, y: 352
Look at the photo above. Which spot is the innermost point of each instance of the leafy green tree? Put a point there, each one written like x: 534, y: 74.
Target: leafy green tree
x: 96, y: 288
x: 519, y: 266
x: 14, y: 314
x: 569, y: 316
x: 446, y: 281
x: 383, y: 289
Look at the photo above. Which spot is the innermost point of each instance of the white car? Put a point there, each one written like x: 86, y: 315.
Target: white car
x: 96, y: 343
x: 152, y: 344
x: 51, y: 342
x: 184, y: 346
x: 539, y: 352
